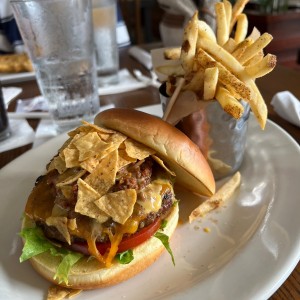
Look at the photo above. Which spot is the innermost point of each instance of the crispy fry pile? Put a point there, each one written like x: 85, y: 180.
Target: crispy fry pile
x: 224, y: 65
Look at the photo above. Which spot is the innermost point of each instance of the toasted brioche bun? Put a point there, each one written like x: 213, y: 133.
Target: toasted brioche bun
x: 173, y: 146
x: 85, y: 274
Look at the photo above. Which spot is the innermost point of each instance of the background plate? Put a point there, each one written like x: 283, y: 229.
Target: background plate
x: 16, y: 77
x: 252, y: 247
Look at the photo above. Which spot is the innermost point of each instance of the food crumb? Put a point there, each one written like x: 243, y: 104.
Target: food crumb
x: 206, y: 229
x: 196, y: 227
x: 214, y: 220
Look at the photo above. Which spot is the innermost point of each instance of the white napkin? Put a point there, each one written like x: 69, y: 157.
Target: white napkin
x: 21, y: 134
x: 32, y: 104
x: 10, y: 93
x: 158, y: 59
x: 180, y: 7
x: 155, y: 110
x: 287, y: 106
x: 126, y: 83
x: 142, y: 56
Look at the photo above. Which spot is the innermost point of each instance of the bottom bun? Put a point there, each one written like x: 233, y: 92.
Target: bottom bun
x: 86, y: 273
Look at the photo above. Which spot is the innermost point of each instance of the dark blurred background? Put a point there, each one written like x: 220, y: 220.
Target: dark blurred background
x: 281, y: 18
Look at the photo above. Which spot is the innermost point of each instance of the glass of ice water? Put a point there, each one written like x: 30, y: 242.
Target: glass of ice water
x: 58, y: 35
x: 4, y: 122
x: 105, y: 38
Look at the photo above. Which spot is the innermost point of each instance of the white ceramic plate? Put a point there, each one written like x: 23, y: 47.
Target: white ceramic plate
x: 16, y: 77
x: 253, y: 246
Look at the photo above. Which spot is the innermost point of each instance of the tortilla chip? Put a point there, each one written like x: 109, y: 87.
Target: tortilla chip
x: 71, y: 179
x: 118, y: 205
x: 107, y: 151
x: 85, y: 202
x: 71, y: 157
x: 89, y: 145
x: 104, y: 136
x: 57, y: 163
x: 72, y: 224
x: 104, y: 175
x: 83, y: 128
x: 124, y: 159
x: 117, y: 139
x: 98, y: 128
x: 162, y: 164
x: 113, y: 144
x: 65, y: 145
x: 61, y: 224
x: 67, y: 191
x: 56, y: 292
x: 90, y: 164
x: 137, y: 150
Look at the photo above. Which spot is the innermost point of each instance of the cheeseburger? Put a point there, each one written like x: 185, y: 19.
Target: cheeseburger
x: 105, y: 208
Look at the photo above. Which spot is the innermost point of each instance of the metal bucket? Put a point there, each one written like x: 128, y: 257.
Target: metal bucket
x: 220, y: 137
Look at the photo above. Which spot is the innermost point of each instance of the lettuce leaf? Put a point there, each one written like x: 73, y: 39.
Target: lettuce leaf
x: 68, y: 260
x: 125, y: 257
x: 36, y: 243
x: 165, y: 241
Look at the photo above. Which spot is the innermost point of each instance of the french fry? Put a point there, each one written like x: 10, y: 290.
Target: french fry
x: 228, y: 12
x: 255, y: 100
x: 170, y: 70
x: 223, y: 68
x: 236, y: 86
x: 262, y: 67
x: 236, y: 11
x: 221, y: 55
x: 253, y: 49
x: 219, y: 198
x: 170, y: 88
x: 230, y: 45
x: 241, y: 28
x: 171, y: 84
x: 188, y: 48
x: 255, y: 59
x: 231, y: 105
x: 222, y: 26
x: 196, y: 82
x: 172, y: 53
x: 258, y: 106
x: 241, y: 47
x: 205, y: 31
x: 221, y: 65
x: 210, y: 83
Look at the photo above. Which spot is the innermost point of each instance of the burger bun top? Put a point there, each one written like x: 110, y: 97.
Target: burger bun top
x: 172, y: 146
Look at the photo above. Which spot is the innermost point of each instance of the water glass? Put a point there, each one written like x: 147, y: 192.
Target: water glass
x: 4, y: 123
x: 58, y: 35
x: 105, y: 38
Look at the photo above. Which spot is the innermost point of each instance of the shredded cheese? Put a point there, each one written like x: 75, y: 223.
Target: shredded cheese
x: 92, y: 248
x: 131, y: 226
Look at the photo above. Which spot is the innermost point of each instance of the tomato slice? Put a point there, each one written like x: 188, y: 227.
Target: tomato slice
x: 127, y: 243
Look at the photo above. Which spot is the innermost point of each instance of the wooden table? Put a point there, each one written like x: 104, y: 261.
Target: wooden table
x: 279, y: 80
